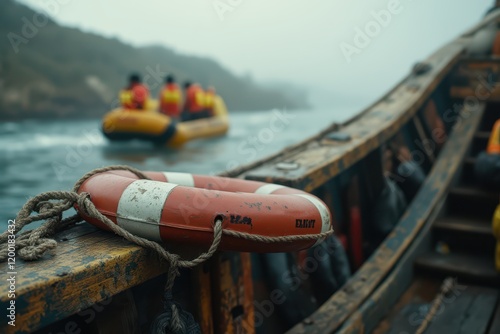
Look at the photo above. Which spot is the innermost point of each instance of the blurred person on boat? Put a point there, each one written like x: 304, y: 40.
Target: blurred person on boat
x: 407, y: 174
x: 487, y: 167
x: 135, y: 95
x: 210, y: 100
x: 390, y: 203
x: 194, y: 104
x: 171, y: 98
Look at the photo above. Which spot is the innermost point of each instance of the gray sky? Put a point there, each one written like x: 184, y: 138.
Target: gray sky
x: 295, y: 41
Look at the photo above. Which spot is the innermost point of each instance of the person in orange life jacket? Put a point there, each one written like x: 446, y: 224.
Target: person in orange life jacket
x: 194, y: 105
x: 170, y: 98
x: 210, y: 100
x: 135, y: 95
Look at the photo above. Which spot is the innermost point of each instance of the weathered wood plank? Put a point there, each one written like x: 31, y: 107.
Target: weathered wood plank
x: 420, y: 293
x: 469, y: 312
x: 495, y: 324
x: 491, y: 17
x: 322, y: 159
x: 331, y: 315
x: 63, y: 285
x: 375, y: 307
x: 403, y: 322
x: 480, y: 63
x: 465, y: 225
x: 203, y: 293
x: 468, y: 92
x: 468, y: 268
x: 233, y: 293
x: 472, y: 201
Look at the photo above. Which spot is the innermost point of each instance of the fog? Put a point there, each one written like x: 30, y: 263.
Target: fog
x: 308, y: 43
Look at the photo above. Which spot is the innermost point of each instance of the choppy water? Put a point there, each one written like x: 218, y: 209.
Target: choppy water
x: 40, y: 156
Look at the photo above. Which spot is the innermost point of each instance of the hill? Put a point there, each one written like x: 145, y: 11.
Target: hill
x: 47, y: 70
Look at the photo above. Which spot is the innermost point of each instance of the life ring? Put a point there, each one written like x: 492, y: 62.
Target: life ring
x: 181, y: 207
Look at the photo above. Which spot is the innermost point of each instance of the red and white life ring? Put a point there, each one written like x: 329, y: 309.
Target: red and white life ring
x: 181, y: 207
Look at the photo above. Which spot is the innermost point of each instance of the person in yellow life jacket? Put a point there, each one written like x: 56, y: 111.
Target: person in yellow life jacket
x: 194, y: 104
x: 135, y: 95
x: 487, y: 167
x: 171, y: 98
x: 496, y: 233
x: 210, y: 100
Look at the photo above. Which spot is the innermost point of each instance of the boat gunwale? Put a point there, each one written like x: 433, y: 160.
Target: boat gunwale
x: 355, y: 150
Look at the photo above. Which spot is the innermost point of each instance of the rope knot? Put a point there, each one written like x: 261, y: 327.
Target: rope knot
x: 36, y: 251
x: 175, y: 320
x: 43, y: 206
x: 84, y: 203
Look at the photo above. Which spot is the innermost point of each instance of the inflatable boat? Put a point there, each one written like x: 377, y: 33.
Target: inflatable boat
x: 123, y: 124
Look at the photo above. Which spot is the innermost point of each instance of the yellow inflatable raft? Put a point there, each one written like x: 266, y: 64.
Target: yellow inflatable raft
x: 150, y: 125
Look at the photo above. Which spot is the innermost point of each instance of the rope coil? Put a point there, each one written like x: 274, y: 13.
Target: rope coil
x: 33, y: 244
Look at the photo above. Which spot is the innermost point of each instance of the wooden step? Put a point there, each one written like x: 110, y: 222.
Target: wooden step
x: 466, y: 268
x: 465, y: 234
x: 468, y: 170
x: 484, y: 135
x: 473, y: 201
x: 465, y: 225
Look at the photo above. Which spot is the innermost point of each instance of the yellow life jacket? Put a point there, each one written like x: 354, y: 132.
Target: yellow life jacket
x: 494, y: 141
x: 126, y: 97
x: 171, y: 96
x: 209, y: 101
x: 200, y: 98
x: 496, y: 233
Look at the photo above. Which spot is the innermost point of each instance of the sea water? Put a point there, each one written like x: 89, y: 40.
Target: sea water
x: 39, y: 156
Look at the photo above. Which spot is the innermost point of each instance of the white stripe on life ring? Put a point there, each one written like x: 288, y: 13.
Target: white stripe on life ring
x: 323, y: 211
x: 268, y: 189
x: 182, y: 179
x: 142, y: 202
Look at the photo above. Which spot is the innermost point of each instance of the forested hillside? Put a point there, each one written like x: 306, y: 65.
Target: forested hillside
x: 47, y: 70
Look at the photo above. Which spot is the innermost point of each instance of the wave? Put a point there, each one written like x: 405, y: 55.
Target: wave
x: 43, y: 141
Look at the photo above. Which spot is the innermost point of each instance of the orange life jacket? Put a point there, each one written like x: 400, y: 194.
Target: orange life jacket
x: 170, y: 100
x: 195, y: 99
x: 494, y: 141
x: 134, y: 97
